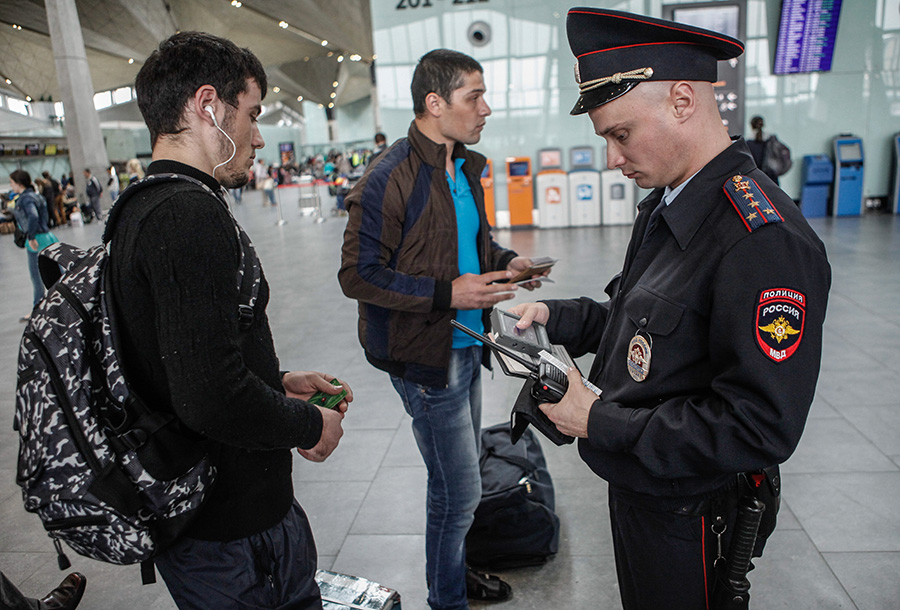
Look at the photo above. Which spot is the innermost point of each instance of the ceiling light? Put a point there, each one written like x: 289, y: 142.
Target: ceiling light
x: 16, y: 27
x: 236, y: 3
x: 334, y: 84
x: 355, y: 57
x: 299, y: 98
x: 330, y: 53
x: 324, y: 43
x: 306, y: 58
x: 283, y: 25
x: 130, y: 60
x: 27, y: 98
x: 340, y: 58
x: 331, y: 105
x: 333, y: 95
x: 374, y: 57
x: 8, y: 82
x: 276, y: 89
x: 320, y: 106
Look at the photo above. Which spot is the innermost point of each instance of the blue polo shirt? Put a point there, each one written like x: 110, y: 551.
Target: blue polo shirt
x: 467, y: 225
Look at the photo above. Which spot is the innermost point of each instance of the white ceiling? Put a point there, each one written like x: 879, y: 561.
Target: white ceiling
x: 118, y: 30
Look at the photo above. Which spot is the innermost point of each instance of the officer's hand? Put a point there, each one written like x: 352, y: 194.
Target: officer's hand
x: 472, y: 291
x: 570, y: 415
x: 303, y: 384
x: 521, y: 263
x: 332, y: 431
x: 531, y: 312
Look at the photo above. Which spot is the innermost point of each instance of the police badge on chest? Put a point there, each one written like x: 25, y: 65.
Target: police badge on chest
x: 639, y: 356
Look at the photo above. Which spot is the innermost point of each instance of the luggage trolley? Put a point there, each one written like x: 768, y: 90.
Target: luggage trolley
x: 308, y: 198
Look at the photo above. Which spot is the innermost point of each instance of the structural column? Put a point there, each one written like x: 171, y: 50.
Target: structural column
x: 82, y: 123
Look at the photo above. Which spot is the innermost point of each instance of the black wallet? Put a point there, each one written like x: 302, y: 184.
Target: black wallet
x: 525, y: 411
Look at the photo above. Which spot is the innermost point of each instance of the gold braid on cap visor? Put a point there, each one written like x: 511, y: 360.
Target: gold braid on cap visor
x: 615, y: 79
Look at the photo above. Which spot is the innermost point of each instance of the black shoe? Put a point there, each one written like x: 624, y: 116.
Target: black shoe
x: 67, y: 595
x: 486, y: 587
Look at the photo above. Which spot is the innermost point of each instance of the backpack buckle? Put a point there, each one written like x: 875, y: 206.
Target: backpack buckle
x: 245, y: 316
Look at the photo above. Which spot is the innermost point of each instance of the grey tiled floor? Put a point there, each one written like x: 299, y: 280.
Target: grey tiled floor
x: 838, y: 540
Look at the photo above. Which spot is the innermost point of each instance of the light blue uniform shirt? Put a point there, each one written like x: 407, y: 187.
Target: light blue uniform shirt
x: 467, y: 225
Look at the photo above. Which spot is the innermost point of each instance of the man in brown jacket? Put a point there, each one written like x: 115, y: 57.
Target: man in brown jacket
x: 418, y: 253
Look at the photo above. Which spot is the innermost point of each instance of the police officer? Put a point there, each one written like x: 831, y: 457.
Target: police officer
x: 709, y: 346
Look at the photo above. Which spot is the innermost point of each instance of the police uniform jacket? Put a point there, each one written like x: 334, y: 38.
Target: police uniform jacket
x: 731, y: 307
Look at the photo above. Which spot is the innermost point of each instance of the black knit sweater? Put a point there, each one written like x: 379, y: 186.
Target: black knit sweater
x: 173, y: 272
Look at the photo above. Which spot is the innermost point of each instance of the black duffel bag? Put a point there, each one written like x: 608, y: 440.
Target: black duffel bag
x: 515, y: 523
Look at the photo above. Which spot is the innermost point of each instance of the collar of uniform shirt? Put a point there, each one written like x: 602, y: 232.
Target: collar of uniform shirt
x: 670, y: 193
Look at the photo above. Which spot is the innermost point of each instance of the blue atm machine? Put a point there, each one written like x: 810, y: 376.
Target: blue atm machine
x: 895, y: 189
x: 848, y: 176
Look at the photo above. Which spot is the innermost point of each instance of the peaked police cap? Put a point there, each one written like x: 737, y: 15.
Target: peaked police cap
x: 615, y: 51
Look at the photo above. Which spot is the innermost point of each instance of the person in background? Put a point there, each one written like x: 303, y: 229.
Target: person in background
x: 135, y: 170
x: 93, y: 189
x: 44, y: 187
x: 32, y: 217
x: 112, y: 183
x: 708, y: 349
x: 269, y: 182
x: 56, y: 205
x: 66, y: 596
x: 771, y: 156
x: 380, y: 146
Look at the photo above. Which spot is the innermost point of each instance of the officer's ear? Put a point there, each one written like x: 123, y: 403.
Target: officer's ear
x: 683, y: 100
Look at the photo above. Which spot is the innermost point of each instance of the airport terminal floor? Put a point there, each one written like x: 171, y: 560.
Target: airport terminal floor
x: 838, y: 539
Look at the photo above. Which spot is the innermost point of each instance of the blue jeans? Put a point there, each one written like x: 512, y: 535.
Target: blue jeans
x: 447, y: 426
x: 36, y: 283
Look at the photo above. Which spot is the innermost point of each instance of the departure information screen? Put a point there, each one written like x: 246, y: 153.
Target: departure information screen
x: 806, y: 36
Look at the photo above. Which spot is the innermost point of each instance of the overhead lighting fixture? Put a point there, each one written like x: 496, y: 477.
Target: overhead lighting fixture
x: 283, y: 25
x: 321, y: 106
x: 333, y: 95
x: 331, y: 105
x: 299, y: 98
x: 334, y: 84
x: 8, y: 82
x: 355, y: 57
x: 276, y: 89
x: 236, y: 3
x: 27, y: 97
x: 374, y: 57
x: 16, y: 27
x: 306, y: 58
x: 330, y: 53
x: 130, y: 60
x: 324, y: 43
x: 340, y: 58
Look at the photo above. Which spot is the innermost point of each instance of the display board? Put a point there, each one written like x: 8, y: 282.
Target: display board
x: 806, y: 36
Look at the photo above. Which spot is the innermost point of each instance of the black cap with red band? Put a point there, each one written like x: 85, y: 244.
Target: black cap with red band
x: 615, y: 51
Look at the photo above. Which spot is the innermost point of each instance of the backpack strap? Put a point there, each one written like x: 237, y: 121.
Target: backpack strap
x: 56, y: 259
x: 249, y: 273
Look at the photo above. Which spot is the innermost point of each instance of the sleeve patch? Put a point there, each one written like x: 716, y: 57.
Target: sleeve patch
x: 780, y: 314
x: 750, y: 202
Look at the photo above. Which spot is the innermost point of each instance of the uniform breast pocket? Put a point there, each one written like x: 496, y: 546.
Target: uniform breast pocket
x: 653, y: 312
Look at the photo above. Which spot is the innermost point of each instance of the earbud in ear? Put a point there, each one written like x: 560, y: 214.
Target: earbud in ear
x: 209, y: 110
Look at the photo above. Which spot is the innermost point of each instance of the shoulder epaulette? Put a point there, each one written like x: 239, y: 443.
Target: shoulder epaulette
x: 751, y: 203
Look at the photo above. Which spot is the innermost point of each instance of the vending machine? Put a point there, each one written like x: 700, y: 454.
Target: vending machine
x: 848, y: 175
x: 519, y: 189
x: 552, y: 190
x: 487, y: 183
x: 584, y: 188
x: 617, y: 207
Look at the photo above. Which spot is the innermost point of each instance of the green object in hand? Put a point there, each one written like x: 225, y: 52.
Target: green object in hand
x: 328, y: 401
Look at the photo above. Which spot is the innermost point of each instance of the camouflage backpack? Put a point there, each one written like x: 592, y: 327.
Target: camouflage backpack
x: 95, y: 462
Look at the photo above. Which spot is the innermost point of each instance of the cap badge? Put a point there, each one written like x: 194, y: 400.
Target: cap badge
x: 615, y: 79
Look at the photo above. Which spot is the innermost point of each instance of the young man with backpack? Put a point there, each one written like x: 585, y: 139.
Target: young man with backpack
x: 175, y: 255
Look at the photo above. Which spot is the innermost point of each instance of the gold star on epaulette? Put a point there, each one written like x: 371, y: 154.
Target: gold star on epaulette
x: 754, y: 203
x: 770, y: 211
x: 752, y: 216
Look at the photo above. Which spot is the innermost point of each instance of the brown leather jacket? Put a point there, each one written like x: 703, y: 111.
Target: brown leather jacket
x: 400, y: 256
